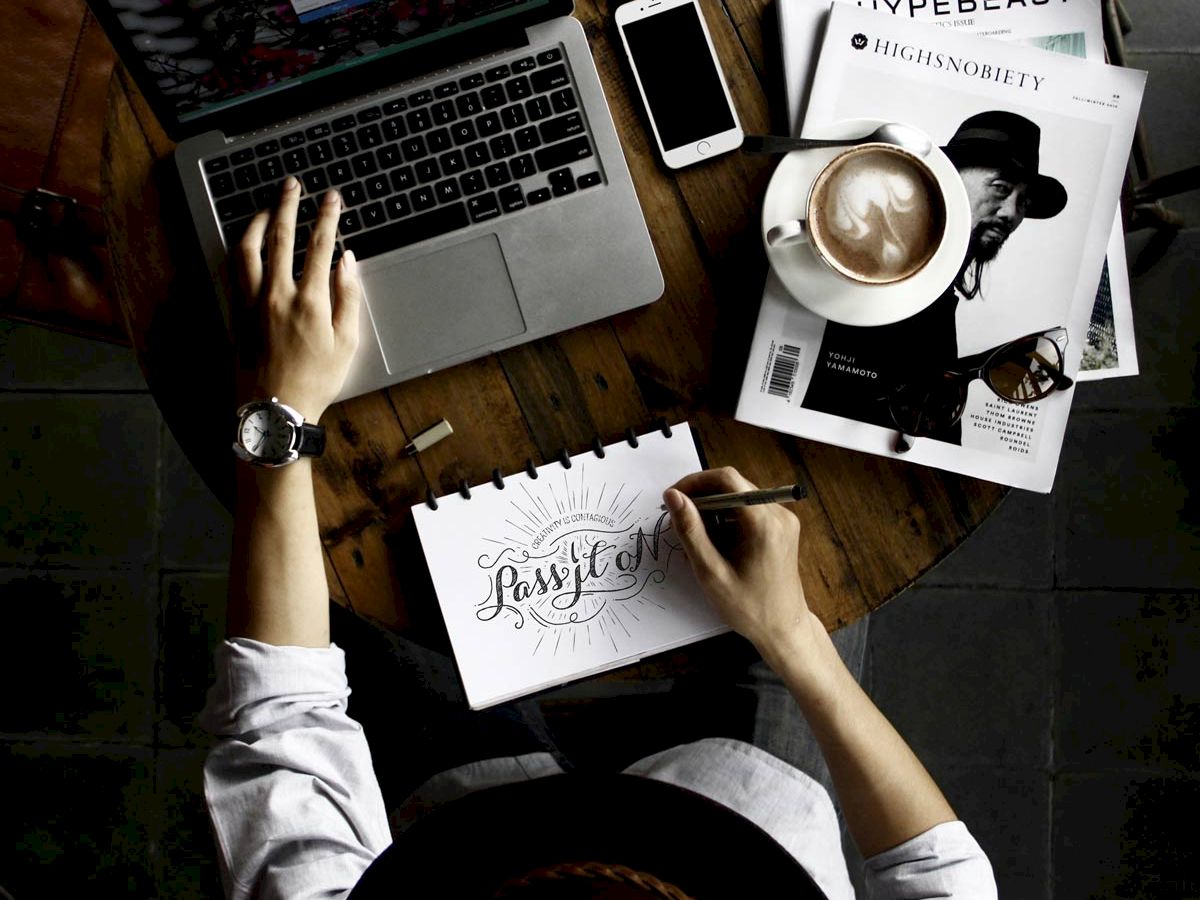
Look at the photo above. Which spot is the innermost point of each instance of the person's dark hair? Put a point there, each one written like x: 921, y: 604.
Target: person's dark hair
x: 589, y: 881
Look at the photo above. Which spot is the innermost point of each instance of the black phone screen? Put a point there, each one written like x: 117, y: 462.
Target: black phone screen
x: 679, y: 76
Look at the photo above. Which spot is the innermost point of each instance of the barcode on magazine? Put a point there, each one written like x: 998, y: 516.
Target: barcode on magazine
x: 783, y: 371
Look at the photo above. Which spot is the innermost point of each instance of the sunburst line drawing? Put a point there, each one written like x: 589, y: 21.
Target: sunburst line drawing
x: 521, y: 527
x: 616, y: 496
x: 525, y: 513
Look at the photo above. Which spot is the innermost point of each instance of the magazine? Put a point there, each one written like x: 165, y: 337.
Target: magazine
x: 1069, y: 26
x: 833, y: 382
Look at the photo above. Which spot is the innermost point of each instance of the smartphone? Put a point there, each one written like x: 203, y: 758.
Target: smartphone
x: 679, y: 78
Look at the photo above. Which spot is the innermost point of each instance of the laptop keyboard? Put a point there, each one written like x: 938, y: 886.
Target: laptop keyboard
x: 487, y: 144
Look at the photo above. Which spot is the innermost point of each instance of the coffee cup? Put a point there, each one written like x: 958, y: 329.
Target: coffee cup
x: 875, y: 215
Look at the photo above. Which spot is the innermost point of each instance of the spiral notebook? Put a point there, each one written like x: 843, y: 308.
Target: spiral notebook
x: 566, y: 570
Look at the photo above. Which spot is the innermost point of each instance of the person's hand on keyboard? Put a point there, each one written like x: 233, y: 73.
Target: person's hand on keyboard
x: 298, y: 335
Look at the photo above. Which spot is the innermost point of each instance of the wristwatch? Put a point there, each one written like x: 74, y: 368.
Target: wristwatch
x: 270, y: 433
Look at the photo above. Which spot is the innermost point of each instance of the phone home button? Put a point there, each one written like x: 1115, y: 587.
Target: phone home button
x: 703, y: 147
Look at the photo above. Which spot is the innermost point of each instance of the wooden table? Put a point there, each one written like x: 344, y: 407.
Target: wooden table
x: 870, y: 525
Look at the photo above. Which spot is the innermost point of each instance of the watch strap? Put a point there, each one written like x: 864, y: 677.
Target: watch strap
x: 311, y: 440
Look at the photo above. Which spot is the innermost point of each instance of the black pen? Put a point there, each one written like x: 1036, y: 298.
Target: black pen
x: 784, y: 494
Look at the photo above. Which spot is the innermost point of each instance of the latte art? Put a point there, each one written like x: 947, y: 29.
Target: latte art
x: 876, y: 214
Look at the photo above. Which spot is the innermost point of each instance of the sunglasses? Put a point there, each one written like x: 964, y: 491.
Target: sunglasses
x: 1020, y: 371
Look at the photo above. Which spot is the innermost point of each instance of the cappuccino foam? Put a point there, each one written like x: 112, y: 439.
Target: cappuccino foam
x: 877, y: 214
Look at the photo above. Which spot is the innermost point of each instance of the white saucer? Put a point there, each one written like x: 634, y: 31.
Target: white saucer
x: 816, y: 286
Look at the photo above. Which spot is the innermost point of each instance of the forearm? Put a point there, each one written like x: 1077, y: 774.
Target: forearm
x: 277, y: 589
x: 885, y: 792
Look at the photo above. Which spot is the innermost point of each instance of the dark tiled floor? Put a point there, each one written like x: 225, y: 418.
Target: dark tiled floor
x: 1048, y: 671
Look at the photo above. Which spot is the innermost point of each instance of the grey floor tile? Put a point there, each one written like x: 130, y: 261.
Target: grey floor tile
x: 76, y: 821
x: 185, y: 855
x: 1008, y: 812
x: 1013, y: 548
x: 1166, y: 324
x: 193, y: 623
x: 87, y: 644
x: 966, y: 676
x: 1117, y: 835
x: 1163, y: 25
x: 197, y: 531
x: 33, y: 358
x: 1125, y: 516
x: 80, y: 479
x: 1129, y: 688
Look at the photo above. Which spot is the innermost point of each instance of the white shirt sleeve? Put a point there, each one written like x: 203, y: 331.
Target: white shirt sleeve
x: 945, y: 861
x: 291, y: 792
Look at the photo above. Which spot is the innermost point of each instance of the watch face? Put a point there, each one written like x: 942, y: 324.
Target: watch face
x: 266, y: 434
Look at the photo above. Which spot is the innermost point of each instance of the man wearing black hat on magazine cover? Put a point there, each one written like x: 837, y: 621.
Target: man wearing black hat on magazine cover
x: 443, y: 802
x: 996, y: 154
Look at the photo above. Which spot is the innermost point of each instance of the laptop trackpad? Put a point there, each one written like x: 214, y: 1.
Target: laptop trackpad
x: 443, y: 304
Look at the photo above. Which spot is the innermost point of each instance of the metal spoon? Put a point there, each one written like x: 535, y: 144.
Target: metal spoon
x: 907, y: 137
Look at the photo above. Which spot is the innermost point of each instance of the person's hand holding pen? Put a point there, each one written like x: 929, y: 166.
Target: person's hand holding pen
x: 753, y: 579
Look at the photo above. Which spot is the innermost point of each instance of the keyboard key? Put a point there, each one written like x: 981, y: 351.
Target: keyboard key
x: 513, y: 116
x: 562, y: 182
x: 477, y: 154
x: 493, y: 96
x: 443, y: 113
x: 348, y: 222
x: 234, y: 230
x: 393, y: 129
x: 512, y: 198
x: 427, y: 170
x: 246, y: 177
x: 518, y: 88
x: 496, y: 73
x: 448, y: 89
x: 420, y: 97
x: 472, y: 81
x: 423, y: 198
x: 483, y: 207
x: 563, y: 153
x: 562, y: 127
x: 243, y: 156
x: 502, y: 146
x: 339, y: 172
x: 548, y: 56
x: 418, y: 120
x: 403, y: 178
x: 372, y: 215
x: 303, y: 233
x: 468, y: 105
x: 354, y: 194
x: 320, y: 153
x: 341, y: 123
x: 295, y: 161
x: 315, y: 181
x: 452, y: 163
x: 293, y: 140
x: 370, y: 114
x: 549, y: 79
x: 298, y: 265
x: 270, y: 169
x: 388, y: 156
x: 364, y: 165
x: 488, y: 124
x: 307, y: 211
x: 221, y: 185
x: 472, y: 183
x: 538, y: 108
x: 414, y: 148
x: 588, y: 179
x: 369, y: 136
x: 266, y: 148
x: 438, y: 140
x: 447, y: 190
x: 397, y: 206
x: 217, y: 164
x: 378, y: 186
x: 527, y: 138
x: 463, y: 133
x: 522, y: 166
x: 265, y: 196
x: 563, y: 101
x: 408, y: 231
x: 344, y: 144
x: 497, y: 174
x: 525, y: 64
x: 236, y: 207
x: 318, y: 131
x: 394, y: 106
x: 541, y: 195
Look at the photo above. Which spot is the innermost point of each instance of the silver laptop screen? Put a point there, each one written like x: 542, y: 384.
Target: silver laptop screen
x: 208, y: 55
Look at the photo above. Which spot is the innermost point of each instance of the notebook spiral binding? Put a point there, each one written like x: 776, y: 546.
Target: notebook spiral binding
x: 564, y: 459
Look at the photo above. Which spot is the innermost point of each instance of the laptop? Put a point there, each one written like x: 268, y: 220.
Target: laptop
x: 486, y: 194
